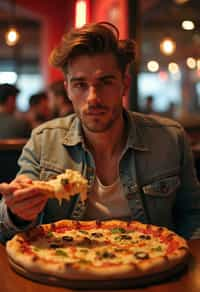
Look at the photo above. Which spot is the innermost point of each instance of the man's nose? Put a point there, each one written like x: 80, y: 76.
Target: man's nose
x: 92, y: 95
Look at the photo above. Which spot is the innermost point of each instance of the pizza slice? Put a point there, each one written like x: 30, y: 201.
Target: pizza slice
x: 65, y: 185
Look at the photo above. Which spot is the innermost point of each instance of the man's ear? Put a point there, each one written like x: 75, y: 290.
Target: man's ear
x: 66, y: 88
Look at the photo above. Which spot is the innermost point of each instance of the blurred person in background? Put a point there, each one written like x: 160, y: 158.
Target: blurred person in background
x: 59, y: 103
x: 38, y: 109
x: 11, y: 126
x: 149, y: 105
x: 171, y: 110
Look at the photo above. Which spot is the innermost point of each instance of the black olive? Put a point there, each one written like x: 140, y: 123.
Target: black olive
x: 145, y: 236
x: 86, y: 241
x: 108, y: 255
x: 141, y: 255
x: 97, y: 234
x: 55, y: 245
x: 124, y: 236
x: 67, y: 238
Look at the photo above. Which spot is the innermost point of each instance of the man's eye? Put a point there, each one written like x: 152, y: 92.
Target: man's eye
x: 80, y: 85
x: 107, y: 81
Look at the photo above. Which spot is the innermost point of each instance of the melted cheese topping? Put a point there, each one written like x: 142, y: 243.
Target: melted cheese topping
x: 68, y: 184
x: 98, y: 247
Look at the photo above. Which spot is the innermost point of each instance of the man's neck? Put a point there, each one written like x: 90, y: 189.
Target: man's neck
x: 109, y: 143
x: 107, y: 148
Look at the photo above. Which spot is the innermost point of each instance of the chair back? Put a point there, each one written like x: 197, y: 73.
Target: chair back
x: 10, y: 150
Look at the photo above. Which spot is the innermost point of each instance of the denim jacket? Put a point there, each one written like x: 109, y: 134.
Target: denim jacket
x: 156, y: 171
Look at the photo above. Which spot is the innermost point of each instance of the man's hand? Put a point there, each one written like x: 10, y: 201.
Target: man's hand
x: 23, y: 198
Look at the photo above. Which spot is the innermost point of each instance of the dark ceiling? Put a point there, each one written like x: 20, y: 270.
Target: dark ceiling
x: 26, y: 54
x: 164, y: 19
x: 158, y: 19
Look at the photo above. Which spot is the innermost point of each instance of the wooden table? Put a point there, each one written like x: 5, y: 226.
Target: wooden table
x: 187, y: 282
x: 12, y: 144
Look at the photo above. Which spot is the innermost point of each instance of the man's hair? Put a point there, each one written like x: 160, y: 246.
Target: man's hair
x: 7, y: 90
x: 35, y: 99
x: 93, y: 39
x: 58, y: 88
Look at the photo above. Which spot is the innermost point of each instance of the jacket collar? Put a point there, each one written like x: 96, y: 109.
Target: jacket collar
x: 74, y: 134
x: 135, y: 139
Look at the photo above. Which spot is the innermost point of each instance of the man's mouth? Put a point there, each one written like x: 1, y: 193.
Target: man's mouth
x: 96, y: 111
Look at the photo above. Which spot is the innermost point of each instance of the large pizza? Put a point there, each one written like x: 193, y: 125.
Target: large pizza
x: 85, y: 254
x: 70, y: 250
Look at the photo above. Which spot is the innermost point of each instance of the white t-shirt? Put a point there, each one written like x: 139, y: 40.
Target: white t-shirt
x: 107, y: 202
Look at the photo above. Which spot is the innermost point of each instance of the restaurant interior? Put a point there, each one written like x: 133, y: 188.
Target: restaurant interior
x: 166, y: 70
x: 165, y: 81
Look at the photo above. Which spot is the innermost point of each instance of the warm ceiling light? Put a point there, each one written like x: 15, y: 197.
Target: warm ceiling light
x: 167, y: 46
x: 173, y: 68
x: 180, y: 1
x: 153, y: 66
x: 187, y: 25
x: 81, y: 13
x: 191, y: 63
x: 12, y: 36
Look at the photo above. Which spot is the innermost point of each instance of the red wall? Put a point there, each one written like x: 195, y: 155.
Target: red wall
x: 56, y: 17
x: 114, y: 11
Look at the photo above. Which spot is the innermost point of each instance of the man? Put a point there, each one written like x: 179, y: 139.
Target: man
x: 10, y: 126
x: 59, y: 103
x: 39, y: 111
x: 138, y: 167
x: 148, y: 107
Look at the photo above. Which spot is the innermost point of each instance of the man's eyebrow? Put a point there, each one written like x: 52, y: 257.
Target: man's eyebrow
x: 73, y: 79
x: 109, y: 76
x: 101, y: 78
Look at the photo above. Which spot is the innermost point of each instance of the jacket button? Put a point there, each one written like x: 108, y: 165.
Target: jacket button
x: 164, y: 188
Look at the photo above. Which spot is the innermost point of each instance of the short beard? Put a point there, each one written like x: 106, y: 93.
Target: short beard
x: 103, y: 127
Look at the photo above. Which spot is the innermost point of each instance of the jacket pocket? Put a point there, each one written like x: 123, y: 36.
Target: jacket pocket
x: 160, y: 197
x: 162, y: 188
x: 49, y: 170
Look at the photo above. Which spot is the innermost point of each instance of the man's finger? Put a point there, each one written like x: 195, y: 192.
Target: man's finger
x: 4, y: 188
x: 27, y: 194
x: 9, y: 188
x: 28, y: 210
x: 23, y: 178
x: 35, y: 210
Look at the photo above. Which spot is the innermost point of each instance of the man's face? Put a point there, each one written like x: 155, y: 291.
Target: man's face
x: 96, y: 87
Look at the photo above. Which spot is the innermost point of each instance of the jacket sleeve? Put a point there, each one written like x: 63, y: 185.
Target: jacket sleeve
x: 8, y: 228
x: 29, y: 163
x: 187, y: 207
